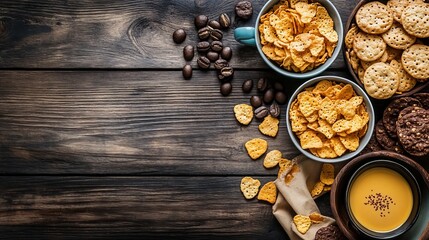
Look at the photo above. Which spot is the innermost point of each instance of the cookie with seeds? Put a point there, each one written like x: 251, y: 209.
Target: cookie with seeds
x: 413, y: 133
x: 381, y: 81
x: 391, y: 113
x: 415, y: 60
x: 374, y: 18
x: 385, y: 140
x: 368, y: 47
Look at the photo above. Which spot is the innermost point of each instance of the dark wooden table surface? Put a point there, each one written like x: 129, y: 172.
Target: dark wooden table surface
x: 101, y: 137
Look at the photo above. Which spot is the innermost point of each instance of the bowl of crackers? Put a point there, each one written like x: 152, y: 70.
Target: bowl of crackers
x: 386, y: 47
x: 330, y: 119
x: 298, y: 39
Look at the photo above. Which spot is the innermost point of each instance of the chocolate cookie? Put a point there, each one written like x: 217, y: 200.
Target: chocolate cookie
x: 423, y: 98
x: 331, y: 232
x: 411, y: 109
x: 413, y: 133
x: 385, y: 140
x: 244, y: 9
x: 391, y: 113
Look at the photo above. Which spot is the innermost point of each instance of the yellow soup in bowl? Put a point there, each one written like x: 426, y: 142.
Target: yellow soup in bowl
x: 380, y: 199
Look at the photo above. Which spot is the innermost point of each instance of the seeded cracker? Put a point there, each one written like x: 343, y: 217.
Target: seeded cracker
x: 415, y: 61
x: 249, y: 187
x: 243, y: 113
x: 256, y: 147
x: 374, y: 18
x: 381, y: 81
x: 397, y: 37
x: 368, y: 47
x: 268, y: 193
x: 415, y: 19
x: 270, y: 126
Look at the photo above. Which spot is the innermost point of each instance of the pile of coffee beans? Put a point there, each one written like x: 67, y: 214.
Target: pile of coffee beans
x: 270, y: 95
x: 210, y: 49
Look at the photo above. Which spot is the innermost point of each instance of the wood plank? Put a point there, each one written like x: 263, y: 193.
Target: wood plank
x: 128, y: 122
x: 115, y: 34
x: 149, y: 207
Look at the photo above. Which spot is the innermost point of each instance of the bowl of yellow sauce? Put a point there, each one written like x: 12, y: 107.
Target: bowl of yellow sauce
x: 382, y: 199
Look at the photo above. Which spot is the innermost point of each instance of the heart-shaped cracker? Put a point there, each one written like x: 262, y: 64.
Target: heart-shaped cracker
x: 268, y: 193
x: 243, y: 113
x: 302, y: 223
x: 256, y: 147
x: 270, y: 126
x: 249, y: 187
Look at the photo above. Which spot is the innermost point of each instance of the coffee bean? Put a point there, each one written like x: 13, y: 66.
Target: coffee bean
x: 188, y: 52
x: 280, y: 97
x: 226, y: 74
x: 275, y: 110
x: 261, y: 112
x: 221, y: 63
x: 244, y: 9
x: 262, y: 84
x: 226, y: 53
x: 204, y: 33
x: 187, y: 71
x: 256, y: 101
x: 216, y: 46
x: 201, y: 21
x: 278, y: 86
x: 179, y: 36
x: 216, y: 34
x: 203, y: 62
x: 214, y: 24
x: 224, y: 20
x: 268, y: 96
x: 226, y: 88
x: 212, y: 56
x: 203, y: 46
x: 247, y: 86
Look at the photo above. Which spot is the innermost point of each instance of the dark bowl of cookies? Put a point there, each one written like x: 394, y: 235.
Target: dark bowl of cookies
x: 386, y: 47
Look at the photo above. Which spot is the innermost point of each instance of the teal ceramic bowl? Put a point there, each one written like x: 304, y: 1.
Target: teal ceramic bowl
x: 250, y: 36
x: 363, y: 141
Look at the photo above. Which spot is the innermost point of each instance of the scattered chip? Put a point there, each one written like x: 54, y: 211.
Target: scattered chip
x: 249, y: 187
x: 316, y: 218
x: 302, y: 223
x: 268, y: 193
x: 270, y: 126
x: 256, y: 147
x: 272, y: 158
x: 317, y: 189
x: 243, y: 113
x: 327, y: 174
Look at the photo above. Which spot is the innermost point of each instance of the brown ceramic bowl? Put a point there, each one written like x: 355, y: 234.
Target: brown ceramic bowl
x: 419, y: 230
x: 419, y: 86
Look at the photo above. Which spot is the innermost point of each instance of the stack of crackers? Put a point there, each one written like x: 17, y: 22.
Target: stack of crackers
x: 297, y: 35
x: 384, y: 47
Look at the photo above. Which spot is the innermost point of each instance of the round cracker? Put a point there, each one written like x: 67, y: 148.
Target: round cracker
x: 397, y: 37
x: 413, y: 133
x: 368, y: 47
x: 398, y: 6
x: 374, y: 18
x: 350, y: 36
x: 381, y: 81
x: 415, y: 19
x: 406, y: 81
x: 415, y: 61
x: 391, y: 113
x: 365, y: 65
x: 393, y: 53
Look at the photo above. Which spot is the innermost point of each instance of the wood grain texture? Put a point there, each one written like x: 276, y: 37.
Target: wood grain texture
x: 115, y: 34
x: 148, y: 207
x: 122, y: 122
